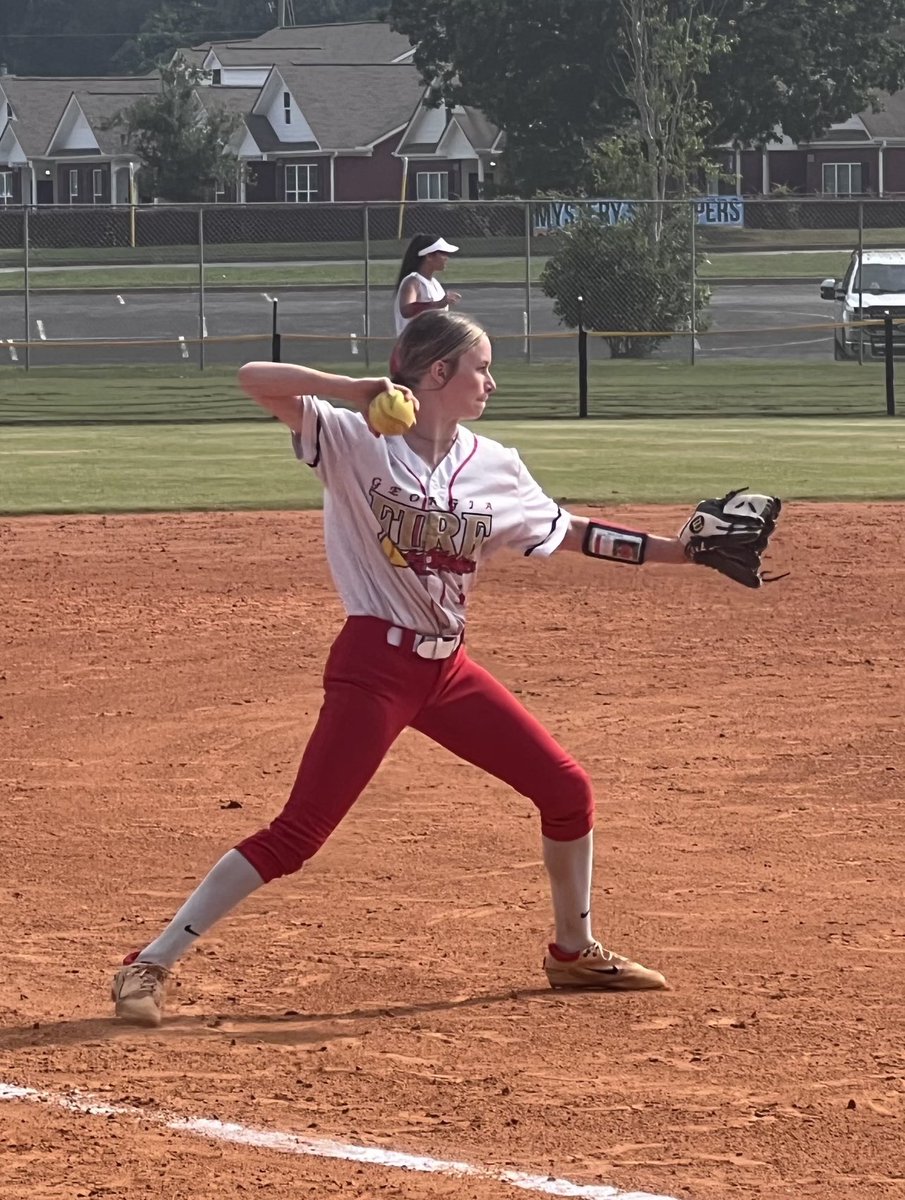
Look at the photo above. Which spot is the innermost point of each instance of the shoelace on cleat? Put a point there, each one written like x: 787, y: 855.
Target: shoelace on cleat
x: 150, y: 976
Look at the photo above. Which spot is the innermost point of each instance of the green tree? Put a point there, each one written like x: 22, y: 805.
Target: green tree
x: 543, y: 70
x: 59, y: 37
x: 552, y: 73
x: 168, y: 26
x: 317, y: 12
x: 667, y: 54
x: 802, y: 64
x: 101, y: 37
x: 184, y: 149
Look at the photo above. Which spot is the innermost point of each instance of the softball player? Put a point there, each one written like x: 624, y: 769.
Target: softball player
x: 407, y: 522
x: 417, y: 291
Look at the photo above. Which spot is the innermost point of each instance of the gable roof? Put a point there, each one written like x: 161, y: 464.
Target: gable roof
x: 10, y: 150
x: 194, y: 56
x: 481, y: 132
x: 361, y: 42
x: 889, y: 122
x: 237, y: 101
x: 102, y: 106
x: 39, y: 103
x: 354, y: 106
x: 267, y: 141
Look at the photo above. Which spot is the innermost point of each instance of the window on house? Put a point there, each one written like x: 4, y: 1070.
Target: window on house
x: 432, y: 185
x: 301, y: 183
x: 287, y: 107
x: 216, y: 76
x: 6, y: 187
x: 97, y: 186
x: 73, y: 185
x: 842, y: 179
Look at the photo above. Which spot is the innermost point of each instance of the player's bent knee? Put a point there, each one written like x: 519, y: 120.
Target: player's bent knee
x: 567, y: 813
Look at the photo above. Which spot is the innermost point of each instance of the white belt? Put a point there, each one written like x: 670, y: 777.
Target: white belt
x: 425, y: 645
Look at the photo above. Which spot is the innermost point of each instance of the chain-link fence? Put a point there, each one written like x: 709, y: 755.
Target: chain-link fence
x: 719, y: 278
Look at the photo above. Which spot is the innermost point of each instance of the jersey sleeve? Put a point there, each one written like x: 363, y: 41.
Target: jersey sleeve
x: 543, y: 524
x: 327, y: 435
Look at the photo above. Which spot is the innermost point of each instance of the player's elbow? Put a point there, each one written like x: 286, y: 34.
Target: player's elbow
x: 251, y: 377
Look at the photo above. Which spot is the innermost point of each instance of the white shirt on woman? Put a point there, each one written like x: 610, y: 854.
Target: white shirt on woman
x: 426, y: 290
x: 404, y: 541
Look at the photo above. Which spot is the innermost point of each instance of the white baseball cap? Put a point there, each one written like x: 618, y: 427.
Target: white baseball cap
x: 440, y: 246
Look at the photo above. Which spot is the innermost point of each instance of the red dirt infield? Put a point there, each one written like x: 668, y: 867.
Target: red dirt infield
x: 158, y: 678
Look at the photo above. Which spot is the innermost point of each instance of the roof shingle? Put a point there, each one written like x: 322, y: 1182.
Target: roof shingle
x: 361, y: 42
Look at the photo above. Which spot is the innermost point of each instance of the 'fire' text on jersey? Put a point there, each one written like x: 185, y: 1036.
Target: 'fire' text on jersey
x: 431, y: 540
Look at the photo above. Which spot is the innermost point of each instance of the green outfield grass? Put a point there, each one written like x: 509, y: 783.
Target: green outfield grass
x: 264, y: 275
x: 789, y: 264
x: 170, y: 395
x: 665, y: 455
x: 718, y: 240
x: 250, y: 466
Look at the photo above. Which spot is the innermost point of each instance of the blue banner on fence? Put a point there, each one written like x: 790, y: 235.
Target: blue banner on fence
x: 720, y: 210
x: 551, y: 215
x: 560, y: 214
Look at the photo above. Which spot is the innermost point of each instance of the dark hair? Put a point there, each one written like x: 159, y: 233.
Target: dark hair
x: 432, y: 337
x: 411, y: 260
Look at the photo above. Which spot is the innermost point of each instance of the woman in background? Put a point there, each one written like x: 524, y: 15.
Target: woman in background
x: 417, y: 289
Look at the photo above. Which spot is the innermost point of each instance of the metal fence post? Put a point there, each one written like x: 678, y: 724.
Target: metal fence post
x: 890, y: 365
x: 582, y: 361
x: 366, y: 226
x: 26, y: 287
x: 202, y: 320
x: 860, y: 283
x: 275, y: 347
x: 694, y: 287
x: 527, y: 320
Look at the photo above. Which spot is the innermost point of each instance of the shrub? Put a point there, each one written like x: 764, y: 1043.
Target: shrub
x: 633, y: 276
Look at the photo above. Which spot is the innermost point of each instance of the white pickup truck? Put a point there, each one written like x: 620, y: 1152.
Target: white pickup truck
x: 866, y: 294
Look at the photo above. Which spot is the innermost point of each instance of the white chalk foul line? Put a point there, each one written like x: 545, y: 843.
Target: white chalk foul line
x: 292, y: 1143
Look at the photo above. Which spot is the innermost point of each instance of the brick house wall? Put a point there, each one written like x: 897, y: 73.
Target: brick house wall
x: 838, y: 154
x: 266, y: 181
x: 752, y: 172
x: 788, y: 168
x: 83, y: 183
x: 894, y: 170
x: 377, y: 177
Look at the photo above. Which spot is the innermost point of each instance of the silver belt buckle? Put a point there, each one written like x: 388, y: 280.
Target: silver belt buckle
x: 436, y: 647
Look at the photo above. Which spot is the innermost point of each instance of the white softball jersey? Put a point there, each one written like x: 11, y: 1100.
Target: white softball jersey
x: 404, y: 541
x: 427, y: 289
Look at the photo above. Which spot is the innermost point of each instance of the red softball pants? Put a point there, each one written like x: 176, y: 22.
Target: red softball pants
x: 374, y: 690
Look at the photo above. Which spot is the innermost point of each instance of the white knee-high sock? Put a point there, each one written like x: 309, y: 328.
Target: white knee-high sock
x: 569, y: 866
x: 229, y: 881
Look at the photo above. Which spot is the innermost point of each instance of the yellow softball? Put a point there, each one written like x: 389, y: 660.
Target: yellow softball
x: 391, y: 413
